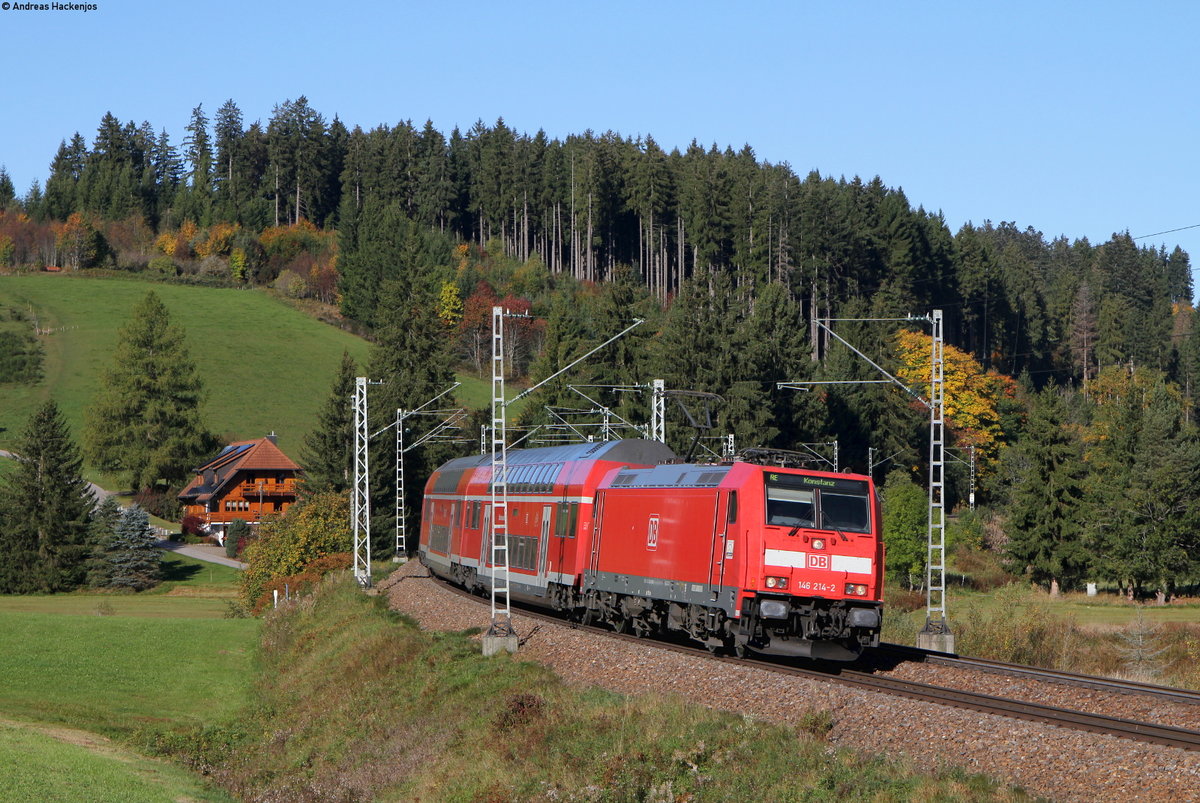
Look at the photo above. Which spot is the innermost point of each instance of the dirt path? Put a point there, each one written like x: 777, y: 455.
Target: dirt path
x: 91, y: 741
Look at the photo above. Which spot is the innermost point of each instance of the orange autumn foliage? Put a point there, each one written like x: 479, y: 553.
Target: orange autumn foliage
x: 972, y: 395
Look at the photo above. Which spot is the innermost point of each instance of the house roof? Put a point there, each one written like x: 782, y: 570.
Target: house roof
x: 256, y: 455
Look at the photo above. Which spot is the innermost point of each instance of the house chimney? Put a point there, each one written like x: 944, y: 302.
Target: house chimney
x: 271, y: 437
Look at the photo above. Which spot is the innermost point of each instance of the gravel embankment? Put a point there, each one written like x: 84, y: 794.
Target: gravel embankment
x: 1136, y: 707
x: 1055, y: 763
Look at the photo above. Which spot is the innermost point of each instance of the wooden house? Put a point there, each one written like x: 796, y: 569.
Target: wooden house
x: 247, y: 480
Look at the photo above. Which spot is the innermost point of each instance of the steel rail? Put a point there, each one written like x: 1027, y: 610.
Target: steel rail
x: 1145, y: 732
x: 1165, y: 693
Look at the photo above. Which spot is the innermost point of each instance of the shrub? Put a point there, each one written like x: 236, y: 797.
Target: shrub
x: 236, y: 536
x: 214, y: 266
x: 163, y: 504
x: 984, y: 570
x: 164, y: 265
x: 291, y: 284
x: 20, y: 358
x: 305, y: 580
x: 314, y: 528
x: 904, y: 600
x: 191, y: 525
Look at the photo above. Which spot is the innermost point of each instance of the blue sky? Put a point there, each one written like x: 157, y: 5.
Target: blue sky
x: 1074, y: 118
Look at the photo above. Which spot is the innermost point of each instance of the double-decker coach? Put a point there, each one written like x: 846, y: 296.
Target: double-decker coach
x: 549, y: 516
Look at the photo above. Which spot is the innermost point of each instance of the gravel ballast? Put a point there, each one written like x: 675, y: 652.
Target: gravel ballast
x: 1056, y: 763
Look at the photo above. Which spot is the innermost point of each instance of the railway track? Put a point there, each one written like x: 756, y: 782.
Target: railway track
x: 1145, y: 732
x: 1165, y: 693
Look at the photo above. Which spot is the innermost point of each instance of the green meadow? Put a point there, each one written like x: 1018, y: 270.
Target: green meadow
x: 83, y: 666
x: 267, y: 366
x: 60, y: 764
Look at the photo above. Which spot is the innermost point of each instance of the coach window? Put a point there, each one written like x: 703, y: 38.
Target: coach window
x: 789, y: 507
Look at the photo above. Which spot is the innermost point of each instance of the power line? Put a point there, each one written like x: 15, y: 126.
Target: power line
x: 1168, y: 231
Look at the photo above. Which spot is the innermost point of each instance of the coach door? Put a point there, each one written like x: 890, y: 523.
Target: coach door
x: 485, y: 538
x: 597, y: 532
x: 544, y: 544
x: 722, y: 547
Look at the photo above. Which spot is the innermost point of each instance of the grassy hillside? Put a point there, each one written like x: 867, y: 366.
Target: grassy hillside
x: 266, y: 366
x: 428, y: 718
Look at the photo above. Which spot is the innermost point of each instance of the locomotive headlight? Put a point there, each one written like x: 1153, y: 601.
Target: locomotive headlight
x: 776, y: 582
x: 856, y: 590
x: 818, y: 543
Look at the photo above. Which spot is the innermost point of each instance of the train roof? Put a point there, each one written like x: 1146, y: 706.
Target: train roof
x: 671, y: 476
x: 629, y: 450
x: 708, y: 475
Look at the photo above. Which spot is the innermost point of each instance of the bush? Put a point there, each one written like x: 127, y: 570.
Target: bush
x: 236, y: 536
x: 164, y: 265
x: 20, y: 358
x: 983, y: 570
x: 305, y: 580
x: 191, y: 525
x: 163, y: 504
x: 214, y: 266
x: 965, y: 530
x: 312, y: 529
x: 904, y: 600
x: 291, y: 285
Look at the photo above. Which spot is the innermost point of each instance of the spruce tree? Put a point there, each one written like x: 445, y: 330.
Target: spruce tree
x: 145, y: 421
x: 44, y: 509
x: 412, y: 360
x: 328, y: 454
x: 100, y: 535
x: 1046, y: 538
x: 135, y: 563
x: 8, y: 193
x: 238, y: 531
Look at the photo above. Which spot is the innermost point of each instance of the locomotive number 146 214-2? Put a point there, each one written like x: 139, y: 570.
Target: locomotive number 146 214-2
x: 808, y: 585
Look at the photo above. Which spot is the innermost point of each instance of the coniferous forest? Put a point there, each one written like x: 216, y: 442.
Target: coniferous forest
x: 1071, y: 365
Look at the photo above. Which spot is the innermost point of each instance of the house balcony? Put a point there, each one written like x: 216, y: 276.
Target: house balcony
x: 251, y: 490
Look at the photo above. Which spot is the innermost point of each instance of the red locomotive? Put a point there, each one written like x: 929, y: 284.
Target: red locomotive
x: 737, y: 555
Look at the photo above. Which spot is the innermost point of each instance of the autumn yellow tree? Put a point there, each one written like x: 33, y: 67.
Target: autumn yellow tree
x: 450, y: 304
x: 973, y: 396
x: 78, y: 242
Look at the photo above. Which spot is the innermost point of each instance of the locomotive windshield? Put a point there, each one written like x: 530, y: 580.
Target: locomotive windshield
x: 845, y: 512
x: 790, y: 507
x: 798, y: 500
